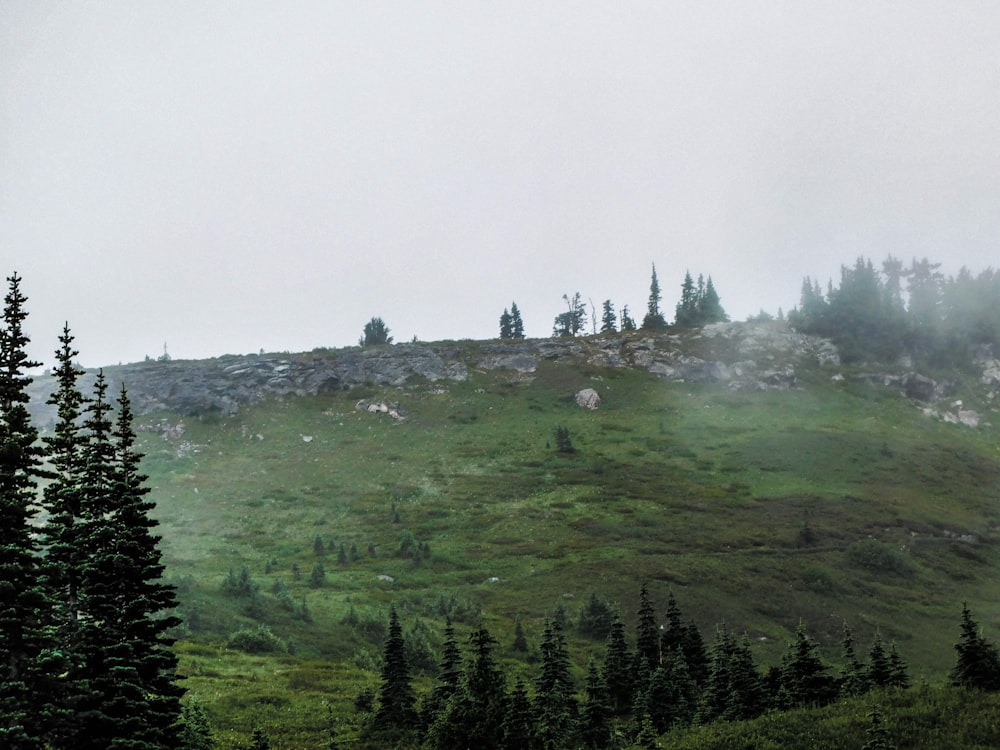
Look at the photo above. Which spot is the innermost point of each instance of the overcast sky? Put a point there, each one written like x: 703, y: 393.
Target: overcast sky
x: 223, y: 177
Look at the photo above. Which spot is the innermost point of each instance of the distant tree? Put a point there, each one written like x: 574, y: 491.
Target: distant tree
x: 519, y: 722
x: 506, y: 325
x: 564, y: 443
x: 686, y: 312
x: 879, y: 673
x: 804, y: 678
x: 449, y: 676
x: 878, y: 734
x: 376, y: 332
x: 672, y: 695
x: 898, y: 677
x: 853, y: 676
x: 978, y: 663
x: 516, y: 323
x: 317, y: 578
x: 520, y: 643
x: 195, y: 730
x: 595, y: 619
x: 259, y: 740
x: 571, y: 322
x: 709, y: 306
x: 627, y: 321
x: 654, y: 318
x: 609, y: 322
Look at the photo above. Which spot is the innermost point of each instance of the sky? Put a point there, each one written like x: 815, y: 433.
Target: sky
x: 225, y: 177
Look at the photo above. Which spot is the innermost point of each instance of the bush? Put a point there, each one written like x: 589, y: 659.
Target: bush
x: 259, y: 640
x: 879, y: 557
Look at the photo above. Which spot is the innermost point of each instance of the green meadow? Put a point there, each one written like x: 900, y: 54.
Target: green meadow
x: 291, y: 527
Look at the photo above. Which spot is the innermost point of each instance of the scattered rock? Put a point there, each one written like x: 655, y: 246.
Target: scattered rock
x: 588, y: 398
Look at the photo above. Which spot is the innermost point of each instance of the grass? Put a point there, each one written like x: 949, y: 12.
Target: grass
x: 827, y: 503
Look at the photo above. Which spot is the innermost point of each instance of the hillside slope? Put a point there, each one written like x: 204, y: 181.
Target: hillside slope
x: 740, y: 467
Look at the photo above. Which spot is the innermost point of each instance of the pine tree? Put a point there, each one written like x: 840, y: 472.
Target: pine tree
x: 555, y: 702
x: 375, y: 332
x: 695, y: 653
x: 879, y: 673
x: 516, y: 323
x: 595, y: 725
x: 609, y: 322
x: 647, y: 639
x: 520, y: 643
x: 506, y: 325
x: 878, y: 734
x: 27, y: 648
x: 125, y: 653
x: 686, y: 312
x: 617, y: 669
x: 627, y: 321
x: 396, y: 702
x: 195, y: 731
x: 709, y: 306
x: 674, y: 630
x: 672, y: 695
x: 978, y: 664
x: 449, y: 676
x: 898, y: 677
x: 654, y: 318
x: 853, y: 677
x: 519, y: 722
x: 804, y: 678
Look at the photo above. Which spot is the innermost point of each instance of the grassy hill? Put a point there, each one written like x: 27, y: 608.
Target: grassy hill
x: 834, y: 500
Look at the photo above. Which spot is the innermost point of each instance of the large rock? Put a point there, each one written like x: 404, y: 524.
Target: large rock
x: 588, y: 398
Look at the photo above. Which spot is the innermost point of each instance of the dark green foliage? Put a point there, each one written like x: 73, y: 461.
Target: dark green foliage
x: 853, y: 676
x: 654, y: 321
x: 617, y: 670
x: 804, y: 677
x: 609, y: 322
x: 520, y: 723
x: 516, y: 323
x: 571, y: 322
x: 259, y: 740
x: 978, y: 664
x: 627, y: 321
x: 647, y: 638
x: 879, y: 557
x: 556, y: 707
x: 878, y: 733
x: 595, y: 618
x: 879, y: 672
x: 564, y: 444
x: 396, y: 710
x: 898, y: 677
x: 318, y: 576
x: 449, y: 677
x: 595, y: 723
x: 520, y: 643
x: 671, y: 698
x: 240, y: 583
x: 258, y: 640
x: 376, y: 332
x: 26, y: 643
x: 506, y: 325
x: 319, y: 548
x: 195, y: 731
x: 699, y: 303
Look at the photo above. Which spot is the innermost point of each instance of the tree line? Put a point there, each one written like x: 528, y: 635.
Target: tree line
x: 86, y: 658
x: 666, y: 677
x: 903, y: 310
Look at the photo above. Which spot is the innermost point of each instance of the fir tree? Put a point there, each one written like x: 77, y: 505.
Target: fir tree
x: 709, y: 306
x: 686, y: 312
x: 898, y: 677
x: 878, y: 734
x: 879, y: 673
x: 449, y: 676
x: 506, y: 325
x: 672, y: 695
x: 516, y: 323
x: 647, y: 639
x: 853, y: 677
x: 520, y: 643
x: 26, y: 641
x: 555, y: 702
x: 804, y: 678
x: 617, y: 669
x: 695, y: 653
x: 978, y: 664
x: 654, y: 318
x: 595, y: 725
x: 609, y: 322
x: 396, y: 702
x: 195, y: 731
x: 674, y: 630
x: 627, y: 321
x: 519, y: 722
x: 375, y: 332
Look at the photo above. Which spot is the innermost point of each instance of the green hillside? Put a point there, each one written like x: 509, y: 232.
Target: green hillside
x: 836, y: 500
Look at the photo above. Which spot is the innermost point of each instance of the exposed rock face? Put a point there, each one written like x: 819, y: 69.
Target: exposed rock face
x: 588, y: 398
x: 747, y: 356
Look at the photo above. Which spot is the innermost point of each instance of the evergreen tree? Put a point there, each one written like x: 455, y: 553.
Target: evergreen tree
x: 195, y: 731
x: 506, y: 325
x: 686, y: 312
x: 617, y: 669
x: 804, y: 678
x: 520, y: 643
x: 609, y: 323
x: 125, y: 654
x: 516, y: 323
x: 449, y: 676
x: 27, y: 648
x: 259, y: 740
x: 898, y: 677
x: 519, y: 721
x: 571, y: 322
x: 695, y: 654
x: 853, y: 677
x: 978, y: 664
x: 595, y: 728
x: 555, y: 702
x: 671, y: 698
x: 674, y: 630
x: 878, y: 734
x: 654, y: 318
x: 375, y: 332
x: 647, y: 639
x: 627, y: 321
x: 396, y: 711
x: 879, y: 672
x: 710, y: 306
x: 595, y: 618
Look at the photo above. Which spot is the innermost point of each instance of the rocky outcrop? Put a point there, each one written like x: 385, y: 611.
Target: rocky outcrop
x: 588, y: 398
x: 747, y: 356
